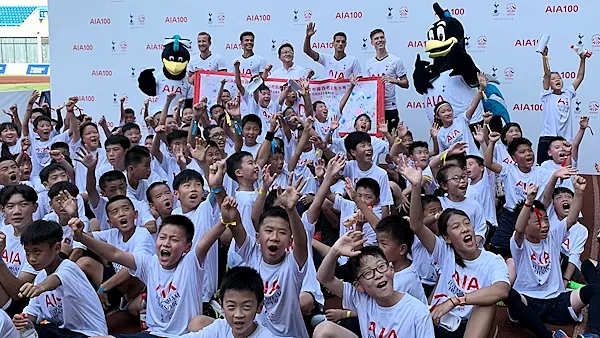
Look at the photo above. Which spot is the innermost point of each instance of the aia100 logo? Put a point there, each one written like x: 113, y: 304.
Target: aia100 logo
x: 593, y: 109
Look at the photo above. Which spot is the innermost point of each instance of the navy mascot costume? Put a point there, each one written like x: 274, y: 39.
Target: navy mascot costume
x: 453, y: 75
x: 173, y: 78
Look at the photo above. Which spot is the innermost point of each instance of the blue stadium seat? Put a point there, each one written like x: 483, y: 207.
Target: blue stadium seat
x: 15, y: 15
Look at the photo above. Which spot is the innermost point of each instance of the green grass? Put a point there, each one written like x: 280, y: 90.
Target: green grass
x: 26, y: 86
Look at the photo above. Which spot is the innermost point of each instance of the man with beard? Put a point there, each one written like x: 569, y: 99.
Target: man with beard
x: 205, y: 60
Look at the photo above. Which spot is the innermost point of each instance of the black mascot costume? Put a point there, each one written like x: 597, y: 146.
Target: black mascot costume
x: 453, y: 75
x: 173, y: 78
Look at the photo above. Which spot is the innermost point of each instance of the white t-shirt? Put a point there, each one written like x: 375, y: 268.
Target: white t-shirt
x: 390, y: 65
x: 253, y: 149
x: 458, y: 131
x: 142, y: 208
x: 140, y: 192
x: 473, y: 209
x: 212, y: 62
x: 14, y: 254
x: 204, y: 218
x: 454, y: 90
x: 484, y: 192
x: 501, y: 154
x: 354, y: 173
x: 407, y: 318
x: 173, y: 298
x: 538, y: 264
x: 574, y: 244
x: 182, y: 88
x: 220, y: 328
x: 425, y: 266
x: 295, y: 72
x: 481, y: 272
x: 67, y: 233
x: 81, y: 170
x: 516, y: 183
x: 557, y: 113
x: 283, y: 283
x: 252, y: 65
x: 140, y: 242
x: 380, y: 147
x: 339, y: 69
x: 347, y: 210
x: 74, y: 305
x: 552, y: 167
x: 245, y: 201
x: 407, y: 281
x: 7, y: 328
x: 39, y: 151
x: 310, y: 283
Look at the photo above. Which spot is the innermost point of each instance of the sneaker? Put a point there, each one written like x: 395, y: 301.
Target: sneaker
x: 559, y: 334
x: 588, y: 335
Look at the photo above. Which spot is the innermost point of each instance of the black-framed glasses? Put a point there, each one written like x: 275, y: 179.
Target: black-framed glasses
x: 459, y: 178
x: 370, y: 273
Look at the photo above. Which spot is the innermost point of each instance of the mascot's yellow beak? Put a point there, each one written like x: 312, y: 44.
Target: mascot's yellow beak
x: 175, y: 68
x: 437, y: 48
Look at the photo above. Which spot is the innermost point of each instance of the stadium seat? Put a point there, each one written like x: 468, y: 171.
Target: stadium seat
x: 15, y: 15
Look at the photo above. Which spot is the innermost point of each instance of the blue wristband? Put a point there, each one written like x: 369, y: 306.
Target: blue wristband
x: 101, y: 290
x: 216, y: 191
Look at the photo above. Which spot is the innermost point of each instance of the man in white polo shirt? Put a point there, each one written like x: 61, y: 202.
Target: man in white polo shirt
x: 392, y: 72
x: 337, y: 66
x: 250, y: 63
x: 289, y: 69
x: 205, y: 60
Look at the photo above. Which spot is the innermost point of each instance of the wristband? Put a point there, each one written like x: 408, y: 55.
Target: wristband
x: 348, y: 314
x: 527, y: 205
x: 216, y: 190
x: 228, y: 224
x: 101, y: 290
x: 270, y: 135
x: 261, y: 192
x: 452, y: 301
x: 483, y: 93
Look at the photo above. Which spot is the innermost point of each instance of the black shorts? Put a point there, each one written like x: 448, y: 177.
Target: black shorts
x: 554, y: 311
x: 53, y: 331
x: 114, y: 295
x: 500, y: 243
x: 428, y: 289
x: 16, y: 307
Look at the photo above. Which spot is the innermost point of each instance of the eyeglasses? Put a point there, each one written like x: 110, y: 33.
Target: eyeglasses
x: 370, y: 274
x: 218, y: 135
x: 459, y: 178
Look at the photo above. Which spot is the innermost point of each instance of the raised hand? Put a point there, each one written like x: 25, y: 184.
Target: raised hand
x: 311, y: 29
x: 267, y: 177
x: 457, y: 148
x: 565, y: 172
x: 348, y: 244
x: 383, y: 127
x: 401, y: 131
x: 123, y: 99
x: 478, y: 134
x: 274, y: 124
x: 102, y: 121
x: 12, y: 111
x: 57, y: 155
x: 171, y: 96
x: 180, y: 155
x: 35, y: 95
x: 68, y: 202
x: 25, y: 144
x: 160, y: 129
x: 291, y: 195
x: 335, y: 165
x: 583, y: 122
x: 579, y: 183
x: 482, y: 80
x: 434, y: 130
x: 545, y: 51
x: 146, y: 103
x: 236, y: 64
x: 199, y: 151
x: 87, y: 158
x: 494, y: 136
x: 412, y: 174
x: 353, y: 80
x: 318, y: 142
x: 335, y: 123
x: 216, y: 174
x: 229, y: 211
x: 320, y: 169
x: 532, y: 191
x: 349, y: 187
x: 233, y: 108
x: 150, y: 122
x: 76, y: 228
x: 2, y: 241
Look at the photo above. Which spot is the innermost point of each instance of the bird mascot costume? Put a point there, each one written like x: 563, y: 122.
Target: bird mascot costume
x: 173, y: 78
x: 452, y: 76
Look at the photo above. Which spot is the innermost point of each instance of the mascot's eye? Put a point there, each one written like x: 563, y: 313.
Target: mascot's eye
x: 180, y: 59
x: 171, y: 58
x: 441, y: 33
x: 431, y: 35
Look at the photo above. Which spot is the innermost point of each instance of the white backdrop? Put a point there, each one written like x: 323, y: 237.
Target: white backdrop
x: 98, y: 53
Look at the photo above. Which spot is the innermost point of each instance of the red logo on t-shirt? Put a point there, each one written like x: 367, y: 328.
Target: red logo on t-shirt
x: 543, y: 259
x: 452, y: 135
x: 11, y: 257
x: 164, y: 291
x: 465, y: 282
x: 172, y: 89
x: 52, y: 300
x: 270, y: 290
x: 383, y: 332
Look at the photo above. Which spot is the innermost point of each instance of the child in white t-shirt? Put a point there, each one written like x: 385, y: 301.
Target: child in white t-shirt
x: 426, y: 268
x: 454, y: 182
x: 457, y: 130
x: 114, y: 282
x: 538, y: 295
x: 482, y: 188
x: 556, y: 105
x: 395, y: 240
x: 282, y: 272
x: 61, y: 294
x: 381, y: 310
x: 509, y: 132
x: 242, y: 295
x: 252, y: 133
x: 471, y: 279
